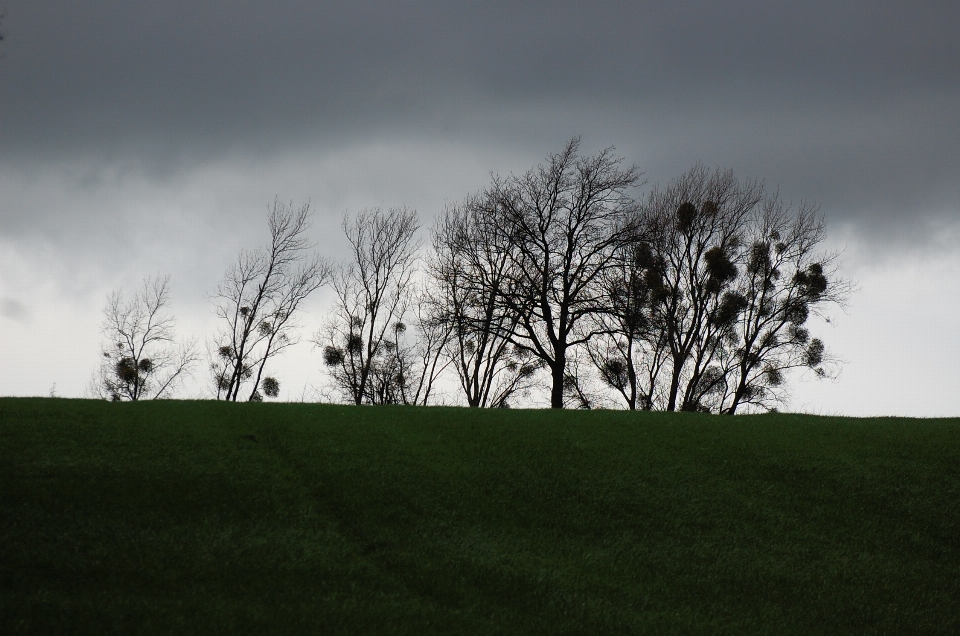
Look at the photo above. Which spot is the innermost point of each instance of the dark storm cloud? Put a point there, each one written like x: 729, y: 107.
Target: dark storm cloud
x: 802, y: 93
x: 200, y: 72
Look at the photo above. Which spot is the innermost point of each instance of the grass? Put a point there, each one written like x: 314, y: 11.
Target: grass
x: 205, y: 517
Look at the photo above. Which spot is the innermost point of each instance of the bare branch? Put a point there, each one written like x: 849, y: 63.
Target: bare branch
x: 362, y: 339
x: 141, y: 358
x: 562, y: 223
x: 257, y: 302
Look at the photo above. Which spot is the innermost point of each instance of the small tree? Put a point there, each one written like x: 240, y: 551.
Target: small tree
x: 361, y: 341
x: 630, y: 351
x: 408, y: 361
x: 785, y: 280
x: 257, y: 301
x: 469, y: 268
x: 142, y: 358
x: 426, y: 356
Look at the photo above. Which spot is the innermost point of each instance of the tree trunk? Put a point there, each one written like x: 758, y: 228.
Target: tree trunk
x: 558, y: 370
x: 674, y: 386
x: 632, y: 380
x: 556, y: 391
x: 738, y: 394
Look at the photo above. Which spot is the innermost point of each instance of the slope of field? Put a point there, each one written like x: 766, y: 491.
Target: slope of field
x: 204, y: 517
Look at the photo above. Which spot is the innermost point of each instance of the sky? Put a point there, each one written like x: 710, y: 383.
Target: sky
x: 141, y: 138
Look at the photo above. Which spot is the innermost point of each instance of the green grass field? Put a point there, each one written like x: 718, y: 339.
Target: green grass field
x: 205, y: 517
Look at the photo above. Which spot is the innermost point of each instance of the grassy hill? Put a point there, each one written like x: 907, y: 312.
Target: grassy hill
x: 204, y: 517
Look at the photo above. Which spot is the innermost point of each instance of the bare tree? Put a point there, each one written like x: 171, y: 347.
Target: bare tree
x: 142, y: 358
x: 785, y: 280
x: 562, y: 222
x: 696, y: 228
x: 360, y: 339
x: 410, y: 359
x: 432, y: 334
x: 713, y: 297
x: 630, y: 350
x: 469, y: 269
x: 257, y: 301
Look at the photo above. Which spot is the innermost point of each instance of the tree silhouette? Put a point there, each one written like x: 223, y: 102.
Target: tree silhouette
x: 561, y: 224
x: 630, y: 350
x: 469, y: 269
x: 363, y: 340
x: 695, y: 227
x: 257, y: 302
x: 785, y: 280
x: 709, y: 303
x: 142, y: 359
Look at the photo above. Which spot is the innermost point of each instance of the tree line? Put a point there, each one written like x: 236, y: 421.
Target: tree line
x: 695, y: 297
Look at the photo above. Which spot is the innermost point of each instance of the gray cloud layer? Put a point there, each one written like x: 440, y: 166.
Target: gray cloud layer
x: 851, y: 103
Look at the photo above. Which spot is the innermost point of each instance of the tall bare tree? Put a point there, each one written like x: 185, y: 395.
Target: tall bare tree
x: 713, y: 297
x: 696, y: 228
x: 142, y: 358
x: 258, y: 300
x: 469, y: 268
x: 786, y: 278
x: 562, y: 223
x: 361, y: 337
x: 630, y: 350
